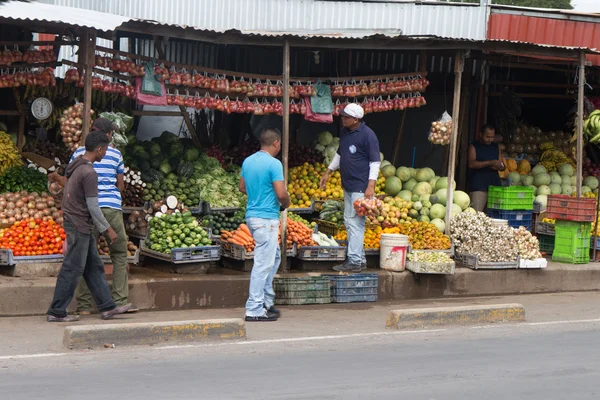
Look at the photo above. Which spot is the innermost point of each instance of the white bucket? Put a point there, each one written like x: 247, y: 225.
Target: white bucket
x: 392, y: 252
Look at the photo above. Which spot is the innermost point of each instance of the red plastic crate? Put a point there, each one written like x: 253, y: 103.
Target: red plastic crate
x: 561, y: 206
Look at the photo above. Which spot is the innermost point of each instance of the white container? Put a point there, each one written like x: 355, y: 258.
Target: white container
x: 531, y: 264
x: 393, y: 248
x: 499, y: 222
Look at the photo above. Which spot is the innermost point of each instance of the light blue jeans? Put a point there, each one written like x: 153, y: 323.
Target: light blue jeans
x: 267, y: 257
x: 355, y: 226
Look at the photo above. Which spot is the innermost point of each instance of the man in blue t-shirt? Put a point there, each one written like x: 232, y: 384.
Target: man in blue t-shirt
x: 358, y: 160
x: 263, y: 182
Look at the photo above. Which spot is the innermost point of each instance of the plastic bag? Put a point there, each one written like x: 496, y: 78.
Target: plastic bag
x: 315, y: 117
x: 441, y: 130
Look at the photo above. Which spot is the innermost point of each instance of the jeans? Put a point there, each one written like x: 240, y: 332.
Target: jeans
x: 355, y: 226
x: 267, y: 256
x: 118, y: 256
x: 81, y: 259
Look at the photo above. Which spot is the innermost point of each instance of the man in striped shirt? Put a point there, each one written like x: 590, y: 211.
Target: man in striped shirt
x: 110, y: 185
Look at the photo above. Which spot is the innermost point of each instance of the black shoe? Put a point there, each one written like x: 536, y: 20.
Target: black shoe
x: 67, y: 318
x: 273, y: 310
x: 266, y: 317
x: 133, y: 309
x: 115, y: 311
x: 347, y: 267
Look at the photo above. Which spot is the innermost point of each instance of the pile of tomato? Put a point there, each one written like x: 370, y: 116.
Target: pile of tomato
x: 33, y: 237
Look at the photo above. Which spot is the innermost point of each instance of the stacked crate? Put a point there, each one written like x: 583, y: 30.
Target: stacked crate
x: 574, y: 217
x: 512, y: 203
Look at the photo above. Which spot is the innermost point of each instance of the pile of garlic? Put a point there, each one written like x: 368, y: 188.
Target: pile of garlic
x: 529, y: 247
x: 475, y: 234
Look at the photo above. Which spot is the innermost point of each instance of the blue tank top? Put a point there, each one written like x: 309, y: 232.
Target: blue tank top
x: 482, y: 178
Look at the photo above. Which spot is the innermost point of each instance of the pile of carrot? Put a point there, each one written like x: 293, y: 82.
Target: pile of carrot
x: 299, y: 233
x: 241, y: 236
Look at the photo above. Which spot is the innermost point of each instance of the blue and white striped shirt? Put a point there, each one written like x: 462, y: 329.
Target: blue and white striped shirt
x: 107, y: 170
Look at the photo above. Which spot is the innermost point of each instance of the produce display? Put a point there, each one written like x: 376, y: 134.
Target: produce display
x: 441, y: 130
x: 528, y: 245
x: 16, y: 207
x: 121, y: 65
x: 332, y: 211
x: 297, y: 218
x: 422, y: 235
x: 371, y: 239
x: 476, y: 234
x: 430, y: 262
x: 71, y: 125
x: 240, y: 236
x: 17, y: 179
x: 34, y: 237
x: 322, y: 239
x: 104, y: 250
x: 176, y: 230
x: 137, y: 222
x: 31, y: 56
x: 591, y: 127
x: 133, y: 195
x: 299, y: 233
x: 9, y: 154
x: 43, y: 77
x: 379, y: 87
x: 217, y: 223
x: 50, y: 150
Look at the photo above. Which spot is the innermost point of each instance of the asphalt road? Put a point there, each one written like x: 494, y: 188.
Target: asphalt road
x: 522, y: 361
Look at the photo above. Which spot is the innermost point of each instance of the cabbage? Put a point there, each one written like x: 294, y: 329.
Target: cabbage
x: 319, y: 147
x: 330, y: 151
x: 192, y: 154
x: 325, y: 138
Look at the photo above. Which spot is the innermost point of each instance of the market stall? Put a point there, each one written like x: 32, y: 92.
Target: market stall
x: 181, y: 199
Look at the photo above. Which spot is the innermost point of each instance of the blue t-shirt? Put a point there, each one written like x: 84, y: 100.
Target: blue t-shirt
x: 357, y: 149
x: 259, y: 171
x: 107, y: 170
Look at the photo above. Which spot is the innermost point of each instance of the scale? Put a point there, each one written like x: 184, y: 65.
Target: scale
x: 41, y: 108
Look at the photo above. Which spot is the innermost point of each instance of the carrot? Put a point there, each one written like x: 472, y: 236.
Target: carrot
x: 244, y: 228
x: 244, y: 235
x: 234, y: 240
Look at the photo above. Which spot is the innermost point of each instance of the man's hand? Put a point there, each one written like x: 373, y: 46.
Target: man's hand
x: 370, y: 192
x: 112, y: 235
x: 52, y: 176
x: 324, y: 180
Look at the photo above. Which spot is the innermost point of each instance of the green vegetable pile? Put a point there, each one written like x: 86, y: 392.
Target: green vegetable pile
x: 182, y: 188
x: 218, y: 222
x: 218, y: 187
x: 16, y: 179
x: 176, y: 230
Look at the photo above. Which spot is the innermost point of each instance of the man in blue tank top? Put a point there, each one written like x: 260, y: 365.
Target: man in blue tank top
x: 485, y: 160
x: 263, y: 182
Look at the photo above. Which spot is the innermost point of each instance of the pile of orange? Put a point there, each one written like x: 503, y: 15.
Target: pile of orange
x: 422, y: 235
x: 371, y: 240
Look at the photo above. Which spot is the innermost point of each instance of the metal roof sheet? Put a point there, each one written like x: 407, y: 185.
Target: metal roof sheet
x: 545, y: 31
x: 452, y: 20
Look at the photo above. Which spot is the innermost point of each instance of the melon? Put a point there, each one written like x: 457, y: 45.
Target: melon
x: 405, y: 195
x: 393, y: 186
x: 437, y: 211
x: 555, y: 188
x: 433, y: 181
x: 565, y: 180
x: 527, y: 180
x: 442, y: 183
x: 439, y: 224
x: 543, y: 189
x: 440, y: 197
x: 404, y: 174
x: 455, y: 210
x: 384, y: 163
x: 567, y: 189
x: 566, y: 169
x: 574, y: 180
x: 410, y: 184
x: 424, y: 175
x: 514, y: 178
x: 461, y: 199
x: 470, y: 210
x: 534, y: 189
x: 388, y: 171
x: 422, y: 188
x: 423, y: 218
x: 555, y: 178
x: 542, y: 199
x: 538, y: 169
x: 585, y: 189
x: 541, y: 179
x: 413, y: 172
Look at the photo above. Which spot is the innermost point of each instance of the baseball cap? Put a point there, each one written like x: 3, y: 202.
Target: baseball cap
x: 353, y: 110
x: 104, y: 125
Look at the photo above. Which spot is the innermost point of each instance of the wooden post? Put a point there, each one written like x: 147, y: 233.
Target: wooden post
x: 285, y: 146
x: 399, y: 135
x: 87, y: 49
x: 459, y: 65
x: 580, y: 94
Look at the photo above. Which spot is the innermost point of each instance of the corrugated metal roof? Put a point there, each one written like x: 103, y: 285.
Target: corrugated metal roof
x: 545, y: 31
x: 464, y: 21
x: 35, y: 11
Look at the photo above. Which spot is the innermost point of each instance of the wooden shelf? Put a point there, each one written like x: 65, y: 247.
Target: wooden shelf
x: 39, y: 65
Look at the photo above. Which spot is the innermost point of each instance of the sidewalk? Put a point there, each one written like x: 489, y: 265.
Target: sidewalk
x: 160, y: 291
x: 37, y: 336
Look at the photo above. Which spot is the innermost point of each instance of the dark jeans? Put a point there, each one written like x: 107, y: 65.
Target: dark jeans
x: 81, y: 259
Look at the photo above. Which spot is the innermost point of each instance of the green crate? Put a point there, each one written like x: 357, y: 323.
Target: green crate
x: 510, y: 198
x: 302, y: 290
x: 572, y: 242
x: 546, y: 244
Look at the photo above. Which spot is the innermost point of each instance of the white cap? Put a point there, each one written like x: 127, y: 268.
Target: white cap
x: 353, y: 110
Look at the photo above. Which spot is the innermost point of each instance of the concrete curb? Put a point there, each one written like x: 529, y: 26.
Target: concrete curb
x: 419, y: 317
x: 86, y: 336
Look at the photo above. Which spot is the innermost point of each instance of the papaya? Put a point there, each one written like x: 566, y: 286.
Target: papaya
x: 511, y: 165
x: 524, y: 167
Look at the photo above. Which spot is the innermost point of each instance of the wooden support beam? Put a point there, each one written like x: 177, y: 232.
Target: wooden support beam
x: 12, y: 113
x: 579, y: 124
x: 21, y: 133
x: 190, y: 126
x: 285, y: 146
x: 145, y: 113
x: 88, y: 46
x: 399, y: 135
x: 459, y: 64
